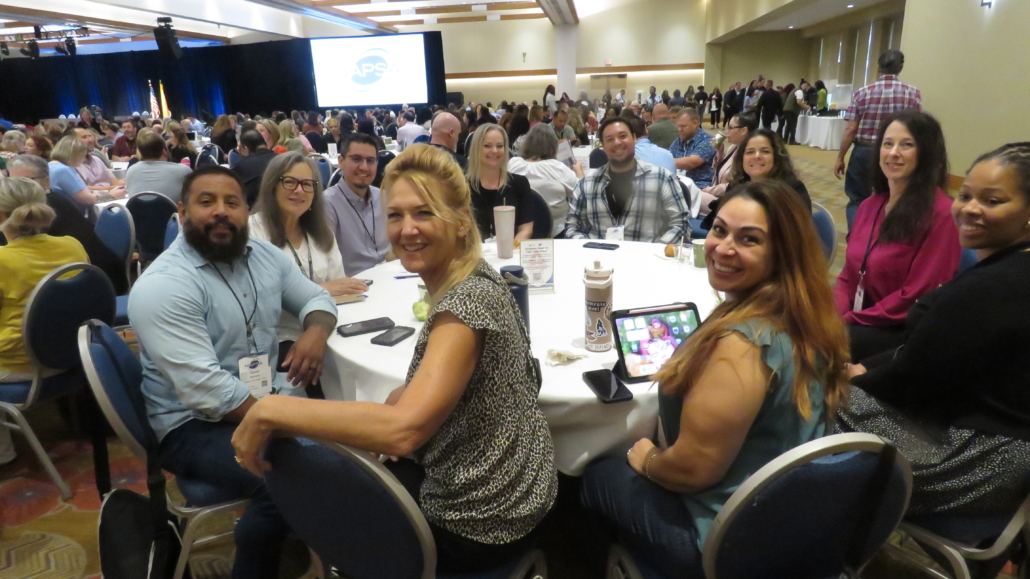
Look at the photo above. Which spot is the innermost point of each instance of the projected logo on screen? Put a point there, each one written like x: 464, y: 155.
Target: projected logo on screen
x: 373, y: 66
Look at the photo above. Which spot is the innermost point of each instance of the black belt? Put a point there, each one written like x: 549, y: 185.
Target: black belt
x: 864, y: 144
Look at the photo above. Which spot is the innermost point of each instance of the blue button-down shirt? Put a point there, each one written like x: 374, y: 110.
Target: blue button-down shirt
x: 192, y: 331
x: 700, y: 145
x: 649, y: 152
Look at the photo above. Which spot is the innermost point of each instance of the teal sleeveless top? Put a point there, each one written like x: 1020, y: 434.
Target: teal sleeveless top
x: 777, y: 428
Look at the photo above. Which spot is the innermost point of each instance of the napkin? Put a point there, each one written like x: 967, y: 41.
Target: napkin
x: 562, y: 357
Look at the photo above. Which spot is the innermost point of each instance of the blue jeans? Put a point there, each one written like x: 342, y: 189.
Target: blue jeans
x: 203, y: 451
x: 857, y: 184
x: 653, y: 523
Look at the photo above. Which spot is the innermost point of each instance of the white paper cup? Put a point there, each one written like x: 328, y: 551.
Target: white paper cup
x: 504, y: 226
x: 698, y: 246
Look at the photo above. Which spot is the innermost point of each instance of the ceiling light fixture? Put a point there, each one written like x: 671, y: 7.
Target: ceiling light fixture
x: 987, y: 3
x: 791, y: 27
x: 31, y: 50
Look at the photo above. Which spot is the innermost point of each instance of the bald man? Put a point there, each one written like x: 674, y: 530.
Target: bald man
x: 444, y: 134
x: 662, y: 131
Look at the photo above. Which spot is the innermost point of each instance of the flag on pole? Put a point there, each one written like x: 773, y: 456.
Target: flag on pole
x: 165, y: 113
x: 155, y: 110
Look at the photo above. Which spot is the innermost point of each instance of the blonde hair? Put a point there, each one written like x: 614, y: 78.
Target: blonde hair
x: 24, y: 201
x: 294, y: 144
x: 12, y: 141
x: 437, y: 177
x: 171, y: 125
x: 68, y: 149
x: 475, y: 156
x: 273, y: 130
x: 287, y: 131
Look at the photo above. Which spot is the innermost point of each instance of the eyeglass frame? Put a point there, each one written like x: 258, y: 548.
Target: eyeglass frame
x: 301, y: 182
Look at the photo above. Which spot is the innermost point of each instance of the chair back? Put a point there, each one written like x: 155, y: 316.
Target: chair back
x: 171, y: 230
x: 118, y: 232
x: 543, y: 223
x: 350, y: 510
x: 968, y: 260
x: 151, y: 211
x: 324, y: 169
x: 827, y: 230
x: 60, y: 303
x: 105, y: 367
x: 317, y: 142
x: 385, y: 157
x: 234, y: 158
x: 334, y: 178
x: 818, y: 510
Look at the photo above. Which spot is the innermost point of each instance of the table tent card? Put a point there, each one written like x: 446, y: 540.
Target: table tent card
x: 537, y: 259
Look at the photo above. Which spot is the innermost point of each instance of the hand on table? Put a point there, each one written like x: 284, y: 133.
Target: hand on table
x: 117, y: 192
x: 638, y: 455
x: 251, y: 437
x: 306, y: 357
x: 345, y: 286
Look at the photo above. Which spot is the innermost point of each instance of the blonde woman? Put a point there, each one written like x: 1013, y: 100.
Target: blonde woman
x: 484, y: 467
x: 30, y: 254
x: 223, y: 134
x: 67, y: 155
x: 492, y: 185
x: 288, y: 130
x: 270, y: 131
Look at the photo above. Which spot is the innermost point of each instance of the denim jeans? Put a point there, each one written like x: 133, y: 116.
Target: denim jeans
x: 653, y: 523
x: 857, y: 184
x: 203, y: 451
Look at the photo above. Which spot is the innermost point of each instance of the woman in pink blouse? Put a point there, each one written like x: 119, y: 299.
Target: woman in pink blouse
x: 904, y: 242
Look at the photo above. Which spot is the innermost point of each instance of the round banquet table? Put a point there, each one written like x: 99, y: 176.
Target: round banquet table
x: 822, y: 132
x: 583, y: 428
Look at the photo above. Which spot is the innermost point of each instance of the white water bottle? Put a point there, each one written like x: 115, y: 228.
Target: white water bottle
x: 598, y: 281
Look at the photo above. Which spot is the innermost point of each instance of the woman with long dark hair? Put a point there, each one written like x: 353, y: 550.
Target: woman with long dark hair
x: 761, y: 155
x: 519, y: 127
x: 759, y: 377
x: 903, y: 243
x: 550, y: 102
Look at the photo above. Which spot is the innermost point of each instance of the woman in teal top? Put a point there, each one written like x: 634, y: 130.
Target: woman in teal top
x: 758, y: 378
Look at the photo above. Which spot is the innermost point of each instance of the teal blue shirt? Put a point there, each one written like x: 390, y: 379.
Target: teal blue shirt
x: 777, y: 428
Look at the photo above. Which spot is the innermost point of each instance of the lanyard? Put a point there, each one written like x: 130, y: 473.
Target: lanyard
x: 311, y: 268
x: 371, y: 235
x: 872, y: 242
x: 246, y: 320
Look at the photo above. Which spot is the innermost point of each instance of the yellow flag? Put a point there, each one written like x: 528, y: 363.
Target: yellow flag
x: 165, y: 113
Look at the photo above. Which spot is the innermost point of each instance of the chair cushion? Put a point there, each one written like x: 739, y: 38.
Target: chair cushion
x: 201, y: 494
x: 18, y: 392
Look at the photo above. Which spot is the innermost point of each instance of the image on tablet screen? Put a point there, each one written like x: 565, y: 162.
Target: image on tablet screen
x: 649, y: 340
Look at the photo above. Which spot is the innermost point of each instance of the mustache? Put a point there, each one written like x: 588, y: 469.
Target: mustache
x: 221, y: 221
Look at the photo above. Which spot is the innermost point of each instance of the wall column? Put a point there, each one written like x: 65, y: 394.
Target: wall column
x: 565, y: 46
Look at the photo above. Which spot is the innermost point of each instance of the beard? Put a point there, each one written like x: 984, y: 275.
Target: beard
x: 200, y: 239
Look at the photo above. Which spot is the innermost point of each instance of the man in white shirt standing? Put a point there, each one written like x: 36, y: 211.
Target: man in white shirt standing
x: 621, y: 97
x: 408, y: 130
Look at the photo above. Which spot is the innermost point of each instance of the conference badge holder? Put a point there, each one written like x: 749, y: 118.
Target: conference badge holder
x: 256, y: 374
x: 537, y: 259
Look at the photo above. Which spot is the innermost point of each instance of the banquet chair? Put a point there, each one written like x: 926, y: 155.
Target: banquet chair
x: 150, y: 211
x: 385, y: 158
x: 334, y: 178
x: 827, y: 230
x: 324, y: 168
x: 118, y: 232
x: 817, y: 511
x: 543, y: 223
x: 970, y: 547
x: 172, y: 229
x: 111, y: 369
x: 968, y: 260
x: 60, y: 302
x: 234, y: 158
x: 357, y: 517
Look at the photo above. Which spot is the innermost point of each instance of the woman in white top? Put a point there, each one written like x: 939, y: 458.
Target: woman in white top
x: 292, y: 217
x: 552, y: 179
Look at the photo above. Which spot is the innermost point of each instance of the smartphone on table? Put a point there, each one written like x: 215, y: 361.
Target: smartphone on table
x: 365, y: 327
x: 393, y: 336
x: 607, y: 386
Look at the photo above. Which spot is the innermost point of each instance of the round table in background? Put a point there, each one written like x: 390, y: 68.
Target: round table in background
x: 822, y: 132
x: 582, y: 427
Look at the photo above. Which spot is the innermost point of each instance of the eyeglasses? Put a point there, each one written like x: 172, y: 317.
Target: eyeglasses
x: 290, y: 184
x: 730, y: 128
x: 358, y: 160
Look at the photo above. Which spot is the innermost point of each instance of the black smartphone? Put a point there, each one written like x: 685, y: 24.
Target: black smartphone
x: 393, y: 336
x: 365, y: 327
x: 598, y: 245
x: 367, y: 281
x: 607, y: 386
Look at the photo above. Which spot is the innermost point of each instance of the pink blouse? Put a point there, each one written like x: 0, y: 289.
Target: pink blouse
x: 897, y: 274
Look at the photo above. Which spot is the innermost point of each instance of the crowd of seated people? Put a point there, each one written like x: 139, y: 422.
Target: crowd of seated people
x: 902, y: 344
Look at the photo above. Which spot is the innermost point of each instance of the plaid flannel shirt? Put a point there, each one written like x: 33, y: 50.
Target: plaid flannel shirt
x: 656, y: 213
x: 873, y: 103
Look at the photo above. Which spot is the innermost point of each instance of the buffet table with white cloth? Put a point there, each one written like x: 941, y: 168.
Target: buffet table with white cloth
x: 583, y: 428
x: 822, y: 132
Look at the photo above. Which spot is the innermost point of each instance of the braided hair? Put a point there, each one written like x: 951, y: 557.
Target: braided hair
x: 1015, y: 156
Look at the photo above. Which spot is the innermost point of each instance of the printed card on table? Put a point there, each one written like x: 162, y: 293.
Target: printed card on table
x: 537, y: 258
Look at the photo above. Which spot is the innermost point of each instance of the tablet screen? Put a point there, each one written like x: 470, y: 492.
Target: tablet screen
x: 648, y: 339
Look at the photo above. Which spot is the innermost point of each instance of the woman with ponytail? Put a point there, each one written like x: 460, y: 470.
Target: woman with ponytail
x: 30, y: 254
x: 760, y: 376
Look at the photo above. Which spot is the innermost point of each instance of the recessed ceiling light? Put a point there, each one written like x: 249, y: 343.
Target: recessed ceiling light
x: 790, y: 27
x: 851, y: 5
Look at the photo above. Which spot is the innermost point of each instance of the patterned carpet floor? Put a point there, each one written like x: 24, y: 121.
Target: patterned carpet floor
x: 43, y: 537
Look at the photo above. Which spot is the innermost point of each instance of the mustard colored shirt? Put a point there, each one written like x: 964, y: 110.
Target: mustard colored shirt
x: 23, y: 263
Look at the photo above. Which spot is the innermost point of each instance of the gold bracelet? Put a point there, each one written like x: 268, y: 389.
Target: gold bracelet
x: 647, y: 465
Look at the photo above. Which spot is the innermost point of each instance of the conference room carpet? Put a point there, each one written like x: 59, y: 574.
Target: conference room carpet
x: 43, y: 537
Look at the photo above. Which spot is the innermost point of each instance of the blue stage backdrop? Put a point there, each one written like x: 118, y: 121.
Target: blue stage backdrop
x: 252, y: 78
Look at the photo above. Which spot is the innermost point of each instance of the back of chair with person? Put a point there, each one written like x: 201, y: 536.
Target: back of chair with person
x: 150, y: 213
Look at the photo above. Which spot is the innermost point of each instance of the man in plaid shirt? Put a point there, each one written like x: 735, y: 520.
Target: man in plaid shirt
x: 646, y: 199
x: 870, y: 105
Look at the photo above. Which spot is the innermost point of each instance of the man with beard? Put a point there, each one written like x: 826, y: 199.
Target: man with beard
x: 206, y: 314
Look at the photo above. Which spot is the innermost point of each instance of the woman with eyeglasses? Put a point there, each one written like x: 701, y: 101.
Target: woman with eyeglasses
x: 291, y: 216
x: 736, y: 131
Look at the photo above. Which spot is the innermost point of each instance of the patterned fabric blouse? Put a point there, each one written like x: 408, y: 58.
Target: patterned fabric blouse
x: 490, y: 473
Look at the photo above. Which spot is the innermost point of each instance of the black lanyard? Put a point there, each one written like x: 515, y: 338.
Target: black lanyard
x: 246, y: 320
x: 371, y: 235
x: 872, y: 242
x: 311, y: 268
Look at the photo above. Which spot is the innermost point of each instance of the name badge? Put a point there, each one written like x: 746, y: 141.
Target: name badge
x: 859, y: 299
x: 256, y: 374
x: 615, y: 233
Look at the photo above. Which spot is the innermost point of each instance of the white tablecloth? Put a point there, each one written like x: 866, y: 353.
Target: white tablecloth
x: 583, y: 428
x: 822, y: 132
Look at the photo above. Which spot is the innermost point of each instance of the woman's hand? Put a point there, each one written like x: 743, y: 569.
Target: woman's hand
x: 345, y: 286
x: 577, y: 168
x: 251, y: 437
x: 639, y: 454
x: 855, y: 370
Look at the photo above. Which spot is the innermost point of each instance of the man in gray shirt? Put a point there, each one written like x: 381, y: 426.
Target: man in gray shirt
x: 154, y: 172
x: 352, y: 206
